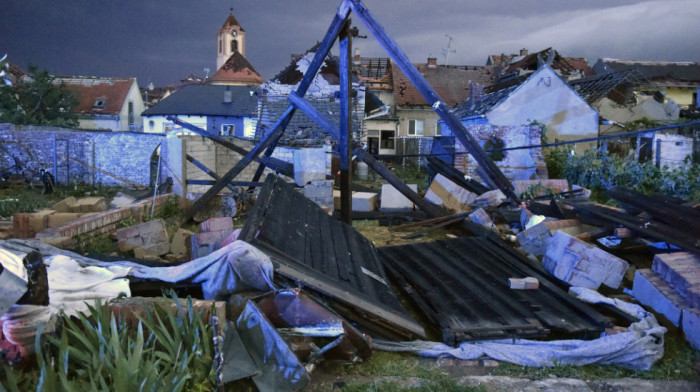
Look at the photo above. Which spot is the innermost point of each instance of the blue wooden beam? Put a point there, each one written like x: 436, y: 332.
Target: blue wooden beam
x: 403, y: 62
x: 315, y: 115
x: 205, y: 169
x: 345, y: 136
x: 320, y: 55
x: 279, y: 165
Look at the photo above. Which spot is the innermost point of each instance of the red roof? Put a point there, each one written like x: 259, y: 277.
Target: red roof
x: 237, y: 70
x: 231, y: 22
x: 91, y: 91
x: 451, y: 83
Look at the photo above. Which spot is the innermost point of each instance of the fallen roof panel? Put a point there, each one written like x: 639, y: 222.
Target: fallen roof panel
x: 328, y: 257
x: 461, y: 285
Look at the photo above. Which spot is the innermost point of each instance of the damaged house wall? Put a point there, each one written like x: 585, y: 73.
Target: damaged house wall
x: 525, y: 164
x: 79, y: 155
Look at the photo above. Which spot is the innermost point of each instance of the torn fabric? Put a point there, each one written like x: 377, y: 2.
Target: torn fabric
x: 637, y: 349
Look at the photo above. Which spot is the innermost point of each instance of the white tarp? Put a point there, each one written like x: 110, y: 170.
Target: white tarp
x: 637, y: 349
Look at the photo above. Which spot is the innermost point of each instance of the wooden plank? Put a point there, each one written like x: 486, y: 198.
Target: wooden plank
x: 345, y: 136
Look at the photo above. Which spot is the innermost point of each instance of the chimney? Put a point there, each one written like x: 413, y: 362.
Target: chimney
x: 432, y: 62
x: 476, y: 91
x: 523, y: 52
x: 358, y: 59
x: 228, y: 95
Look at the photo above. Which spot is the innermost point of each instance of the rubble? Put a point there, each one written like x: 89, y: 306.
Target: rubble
x: 146, y: 239
x: 446, y: 193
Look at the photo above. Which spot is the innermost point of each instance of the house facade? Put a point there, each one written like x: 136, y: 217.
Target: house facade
x: 543, y: 98
x: 678, y: 81
x: 113, y: 104
x: 229, y: 111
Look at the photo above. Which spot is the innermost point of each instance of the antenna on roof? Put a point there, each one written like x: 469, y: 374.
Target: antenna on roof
x: 206, y: 73
x: 446, y: 51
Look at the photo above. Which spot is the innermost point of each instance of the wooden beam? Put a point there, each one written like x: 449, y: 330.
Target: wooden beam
x: 431, y: 210
x: 345, y: 136
x: 402, y: 61
x: 233, y: 183
x: 319, y: 57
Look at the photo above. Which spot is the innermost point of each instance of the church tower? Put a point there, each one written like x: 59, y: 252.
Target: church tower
x: 231, y: 38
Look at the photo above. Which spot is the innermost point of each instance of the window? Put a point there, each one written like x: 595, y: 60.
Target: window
x: 438, y: 128
x: 387, y: 140
x: 151, y: 124
x: 99, y: 103
x: 220, y: 45
x: 234, y: 46
x: 131, y: 113
x: 415, y: 127
x: 227, y: 130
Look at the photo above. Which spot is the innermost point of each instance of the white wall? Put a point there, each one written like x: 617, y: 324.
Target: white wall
x: 546, y: 98
x: 160, y: 123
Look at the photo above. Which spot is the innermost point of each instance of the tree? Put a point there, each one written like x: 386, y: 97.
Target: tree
x: 38, y: 101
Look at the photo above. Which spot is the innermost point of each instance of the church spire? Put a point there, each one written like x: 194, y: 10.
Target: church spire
x: 230, y: 39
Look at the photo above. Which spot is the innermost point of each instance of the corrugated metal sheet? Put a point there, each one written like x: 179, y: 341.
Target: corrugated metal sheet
x: 461, y: 285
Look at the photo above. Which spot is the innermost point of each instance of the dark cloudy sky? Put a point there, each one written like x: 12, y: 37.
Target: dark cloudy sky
x: 161, y: 41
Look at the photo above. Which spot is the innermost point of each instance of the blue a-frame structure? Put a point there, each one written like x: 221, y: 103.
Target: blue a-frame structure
x: 340, y: 29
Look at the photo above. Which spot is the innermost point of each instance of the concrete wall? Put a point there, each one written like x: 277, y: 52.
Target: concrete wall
x: 526, y: 164
x: 126, y: 155
x: 674, y: 149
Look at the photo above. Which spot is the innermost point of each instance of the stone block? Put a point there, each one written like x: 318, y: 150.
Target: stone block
x: 582, y: 264
x: 217, y: 224
x: 393, y: 200
x: 65, y: 204
x: 61, y: 218
x: 180, y: 243
x: 142, y: 235
x: 691, y: 327
x: 446, y: 193
x: 157, y: 249
x: 651, y: 290
x: 336, y: 199
x: 481, y: 217
x: 309, y: 165
x: 492, y: 198
x: 365, y: 201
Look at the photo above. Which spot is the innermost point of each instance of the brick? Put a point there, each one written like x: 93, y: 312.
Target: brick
x: 691, y: 327
x: 680, y: 269
x: 91, y: 204
x: 582, y: 264
x: 650, y: 290
x: 528, y: 283
x: 61, y: 218
x: 533, y: 239
x: 39, y: 220
x: 217, y: 224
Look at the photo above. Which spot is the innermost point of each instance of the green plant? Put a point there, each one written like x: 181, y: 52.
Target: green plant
x: 98, y: 244
x: 167, y: 351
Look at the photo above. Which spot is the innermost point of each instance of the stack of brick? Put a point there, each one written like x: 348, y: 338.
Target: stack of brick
x: 146, y: 239
x: 97, y: 223
x: 672, y: 287
x: 83, y: 204
x: 582, y: 264
x: 320, y: 192
x: 212, y: 233
x: 533, y: 240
